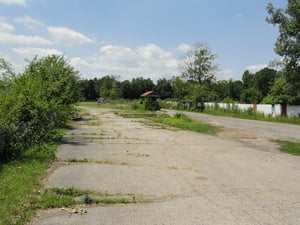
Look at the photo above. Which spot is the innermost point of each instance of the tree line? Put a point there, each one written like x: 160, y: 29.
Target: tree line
x: 197, y: 81
x: 253, y: 88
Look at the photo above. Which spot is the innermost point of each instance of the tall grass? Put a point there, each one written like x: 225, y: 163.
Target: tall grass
x: 20, y: 182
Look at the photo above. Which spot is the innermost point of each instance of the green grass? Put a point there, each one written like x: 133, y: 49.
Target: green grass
x: 290, y: 147
x: 67, y: 197
x: 109, y: 105
x: 179, y: 120
x: 182, y: 121
x: 20, y: 182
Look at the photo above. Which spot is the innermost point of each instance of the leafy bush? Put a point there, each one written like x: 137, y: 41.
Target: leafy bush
x: 34, y: 103
x: 151, y: 104
x: 137, y: 105
x: 182, y: 117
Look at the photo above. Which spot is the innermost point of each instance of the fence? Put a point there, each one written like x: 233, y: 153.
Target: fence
x: 267, y: 109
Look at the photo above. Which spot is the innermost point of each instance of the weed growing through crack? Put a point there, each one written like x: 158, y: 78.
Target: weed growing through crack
x: 67, y: 197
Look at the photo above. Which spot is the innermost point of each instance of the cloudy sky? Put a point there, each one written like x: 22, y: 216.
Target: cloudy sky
x: 134, y: 38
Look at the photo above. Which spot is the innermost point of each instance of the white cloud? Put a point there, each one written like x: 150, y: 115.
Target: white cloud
x: 7, y: 35
x: 20, y: 39
x: 30, y: 52
x: 184, y: 48
x: 225, y: 74
x: 147, y: 61
x: 5, y: 26
x: 256, y: 68
x: 29, y: 22
x: 14, y: 2
x: 63, y: 35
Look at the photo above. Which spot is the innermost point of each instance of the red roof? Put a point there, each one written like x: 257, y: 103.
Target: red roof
x: 151, y: 94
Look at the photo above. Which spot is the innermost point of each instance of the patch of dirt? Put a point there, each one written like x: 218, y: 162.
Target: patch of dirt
x: 249, y: 138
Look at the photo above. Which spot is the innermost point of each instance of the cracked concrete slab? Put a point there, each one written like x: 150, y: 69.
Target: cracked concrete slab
x: 190, y: 178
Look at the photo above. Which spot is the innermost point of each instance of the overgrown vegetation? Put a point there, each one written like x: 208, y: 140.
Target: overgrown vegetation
x: 179, y: 120
x: 182, y: 121
x: 67, y: 197
x: 33, y: 105
x: 290, y: 147
x: 20, y: 183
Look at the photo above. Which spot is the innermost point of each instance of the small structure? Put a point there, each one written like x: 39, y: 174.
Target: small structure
x: 150, y: 100
x: 150, y: 94
x: 101, y: 100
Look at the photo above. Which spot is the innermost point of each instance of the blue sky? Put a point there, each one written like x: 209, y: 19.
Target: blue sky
x: 133, y: 38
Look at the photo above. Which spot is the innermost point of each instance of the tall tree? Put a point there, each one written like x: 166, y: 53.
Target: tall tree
x: 288, y: 42
x: 248, y: 80
x: 251, y: 95
x: 265, y: 79
x: 199, y: 65
x: 109, y: 87
x: 181, y: 88
x: 164, y: 88
x: 221, y: 88
x: 235, y: 89
x: 279, y: 93
x: 140, y: 85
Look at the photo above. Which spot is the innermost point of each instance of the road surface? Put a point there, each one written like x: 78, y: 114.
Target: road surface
x: 236, y: 178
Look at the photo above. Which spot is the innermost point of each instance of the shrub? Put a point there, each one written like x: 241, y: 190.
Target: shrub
x: 34, y: 103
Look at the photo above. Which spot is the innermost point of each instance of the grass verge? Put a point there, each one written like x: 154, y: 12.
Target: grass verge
x: 290, y: 147
x: 20, y: 182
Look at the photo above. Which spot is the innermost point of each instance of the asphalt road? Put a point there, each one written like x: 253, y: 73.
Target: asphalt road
x: 268, y: 130
x: 235, y: 178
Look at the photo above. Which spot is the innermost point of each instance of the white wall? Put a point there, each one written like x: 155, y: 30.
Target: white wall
x: 267, y: 109
x: 293, y: 110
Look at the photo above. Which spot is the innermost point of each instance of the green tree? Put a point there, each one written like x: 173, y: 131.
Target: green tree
x: 235, y: 89
x: 181, y: 88
x: 264, y: 80
x: 116, y: 92
x: 140, y: 85
x: 280, y: 92
x: 164, y: 88
x: 199, y: 65
x: 248, y: 80
x: 201, y: 94
x: 35, y: 102
x: 221, y: 88
x: 109, y: 87
x: 89, y: 89
x: 57, y: 86
x: 288, y: 42
x: 126, y: 89
x: 251, y: 95
x: 105, y: 86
